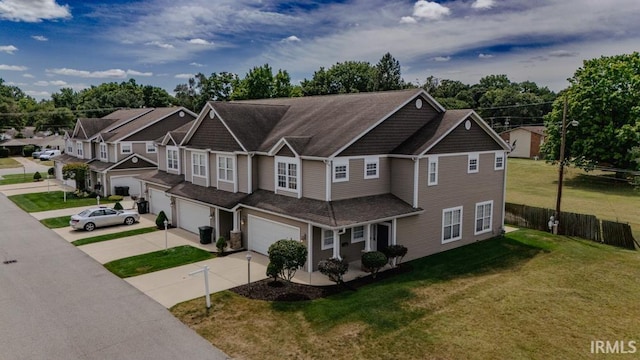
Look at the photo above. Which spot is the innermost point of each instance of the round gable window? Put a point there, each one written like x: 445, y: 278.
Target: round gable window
x: 181, y: 114
x: 212, y: 114
x: 134, y: 159
x: 419, y: 104
x: 467, y: 124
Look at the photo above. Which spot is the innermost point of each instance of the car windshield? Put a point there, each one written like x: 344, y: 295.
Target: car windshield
x: 85, y: 213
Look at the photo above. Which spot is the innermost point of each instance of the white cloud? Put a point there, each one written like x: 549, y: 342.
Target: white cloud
x: 183, y: 76
x: 483, y: 4
x: 41, y: 83
x: 38, y: 94
x: 12, y: 67
x: 33, y: 10
x: 430, y: 10
x: 196, y: 64
x: 50, y: 83
x: 9, y: 49
x: 407, y: 20
x: 200, y: 42
x: 39, y: 38
x: 160, y: 44
x: 563, y: 53
x: 291, y: 38
x: 485, y: 56
x: 442, y: 58
x: 111, y: 73
x: 28, y: 76
x: 13, y: 83
x: 138, y: 73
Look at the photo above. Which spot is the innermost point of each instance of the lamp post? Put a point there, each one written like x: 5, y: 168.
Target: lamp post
x: 166, y: 227
x: 249, y: 269
x: 561, y: 167
x: 98, y: 199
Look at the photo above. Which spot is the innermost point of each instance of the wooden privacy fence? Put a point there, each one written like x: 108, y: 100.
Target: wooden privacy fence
x: 571, y: 224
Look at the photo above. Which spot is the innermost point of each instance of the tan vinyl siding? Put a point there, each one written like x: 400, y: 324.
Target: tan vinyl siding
x: 402, y: 179
x: 255, y: 174
x: 463, y: 140
x: 349, y: 251
x: 266, y: 172
x: 213, y: 169
x: 139, y: 148
x: 319, y: 254
x: 313, y: 179
x: 185, y: 165
x: 112, y: 152
x: 226, y: 224
x: 242, y: 175
x: 162, y: 158
x: 358, y: 186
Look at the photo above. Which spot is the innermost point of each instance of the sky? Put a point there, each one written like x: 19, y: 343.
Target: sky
x: 46, y: 45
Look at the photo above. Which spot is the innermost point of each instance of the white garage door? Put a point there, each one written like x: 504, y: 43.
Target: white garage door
x: 159, y: 202
x: 130, y: 181
x: 191, y: 216
x: 263, y: 233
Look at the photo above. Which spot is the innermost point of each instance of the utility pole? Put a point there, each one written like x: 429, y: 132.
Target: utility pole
x: 561, y: 167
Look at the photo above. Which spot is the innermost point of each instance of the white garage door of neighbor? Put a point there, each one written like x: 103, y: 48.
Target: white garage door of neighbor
x: 158, y: 201
x: 263, y: 233
x: 191, y: 216
x: 130, y: 181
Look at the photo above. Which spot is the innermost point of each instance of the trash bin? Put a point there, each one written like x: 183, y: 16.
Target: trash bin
x: 143, y: 207
x: 119, y: 190
x: 206, y: 233
x: 125, y: 191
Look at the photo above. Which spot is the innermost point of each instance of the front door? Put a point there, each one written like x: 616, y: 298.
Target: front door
x: 383, y: 234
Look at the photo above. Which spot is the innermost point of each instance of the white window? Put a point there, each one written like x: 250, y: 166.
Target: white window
x: 225, y: 168
x: 357, y: 234
x: 371, y: 166
x: 79, y: 149
x: 473, y: 163
x: 69, y: 147
x: 499, y: 164
x: 327, y: 239
x: 483, y: 217
x: 199, y: 161
x: 451, y: 224
x: 287, y: 174
x: 125, y: 148
x: 341, y: 170
x: 172, y: 159
x: 432, y: 171
x: 151, y: 147
x: 103, y: 152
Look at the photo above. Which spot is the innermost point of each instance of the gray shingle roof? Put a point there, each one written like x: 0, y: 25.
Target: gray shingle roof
x: 161, y: 178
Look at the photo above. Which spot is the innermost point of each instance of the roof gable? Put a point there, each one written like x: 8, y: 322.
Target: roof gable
x: 152, y: 124
x: 211, y: 133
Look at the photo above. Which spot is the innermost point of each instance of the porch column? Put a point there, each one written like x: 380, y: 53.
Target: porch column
x: 236, y: 220
x: 336, y: 245
x: 367, y: 237
x: 394, y: 226
x: 216, y: 233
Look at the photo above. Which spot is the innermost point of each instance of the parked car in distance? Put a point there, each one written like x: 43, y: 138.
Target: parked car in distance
x: 47, y: 155
x: 36, y: 154
x: 92, y: 218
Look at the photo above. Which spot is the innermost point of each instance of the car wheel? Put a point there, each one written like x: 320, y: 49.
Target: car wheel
x: 129, y: 221
x: 89, y: 226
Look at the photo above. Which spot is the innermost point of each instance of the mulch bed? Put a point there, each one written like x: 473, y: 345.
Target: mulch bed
x: 270, y: 290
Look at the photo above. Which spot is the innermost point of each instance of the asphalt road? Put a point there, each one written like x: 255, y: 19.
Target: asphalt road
x: 58, y: 303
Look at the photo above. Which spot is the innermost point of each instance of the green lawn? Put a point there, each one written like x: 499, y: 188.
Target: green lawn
x: 158, y: 260
x: 16, y: 179
x: 530, y: 295
x: 53, y: 200
x: 56, y: 223
x: 9, y: 163
x: 107, y: 237
x: 535, y: 183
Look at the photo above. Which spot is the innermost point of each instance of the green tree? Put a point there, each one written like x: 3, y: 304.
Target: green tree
x: 387, y: 74
x: 282, y: 84
x: 77, y: 172
x: 285, y: 258
x: 604, y: 97
x: 257, y: 84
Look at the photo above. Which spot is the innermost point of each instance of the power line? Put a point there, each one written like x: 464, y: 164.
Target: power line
x: 58, y: 110
x: 515, y: 106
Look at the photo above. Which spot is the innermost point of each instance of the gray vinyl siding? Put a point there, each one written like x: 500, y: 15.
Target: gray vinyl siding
x: 213, y: 169
x: 358, y: 186
x: 226, y: 224
x: 112, y: 152
x: 313, y: 179
x: 402, y: 179
x: 463, y: 140
x: 139, y: 148
x: 350, y: 251
x: 185, y: 165
x: 242, y: 175
x: 266, y: 172
x: 422, y: 234
x: 285, y: 151
x: 255, y: 173
x: 318, y: 253
x: 162, y: 158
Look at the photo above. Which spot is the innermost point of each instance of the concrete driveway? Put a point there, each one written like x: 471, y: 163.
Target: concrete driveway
x: 27, y: 165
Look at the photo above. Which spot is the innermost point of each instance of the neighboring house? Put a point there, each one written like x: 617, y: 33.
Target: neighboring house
x: 341, y: 173
x: 16, y: 146
x: 525, y: 141
x: 119, y: 146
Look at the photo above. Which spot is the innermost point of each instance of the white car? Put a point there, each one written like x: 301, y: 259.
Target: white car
x: 92, y: 218
x: 47, y: 155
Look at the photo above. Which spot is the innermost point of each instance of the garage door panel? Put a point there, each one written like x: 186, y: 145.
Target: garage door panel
x: 191, y: 216
x: 158, y: 201
x: 130, y: 181
x: 264, y: 232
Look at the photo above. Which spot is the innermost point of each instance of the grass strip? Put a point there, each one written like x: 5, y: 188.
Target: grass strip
x: 106, y: 237
x: 9, y: 163
x: 16, y: 179
x: 158, y: 260
x: 57, y: 222
x: 53, y: 200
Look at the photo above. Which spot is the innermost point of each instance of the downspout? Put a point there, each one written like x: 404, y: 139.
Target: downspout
x: 250, y: 172
x: 416, y: 177
x: 327, y: 173
x: 310, y: 248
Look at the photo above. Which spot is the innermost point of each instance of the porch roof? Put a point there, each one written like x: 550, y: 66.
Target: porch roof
x: 68, y: 159
x: 161, y: 178
x: 341, y: 213
x: 213, y: 196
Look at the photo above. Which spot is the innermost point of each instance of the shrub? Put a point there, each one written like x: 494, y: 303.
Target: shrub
x: 51, y: 171
x: 395, y: 253
x: 117, y: 206
x: 160, y: 220
x: 115, y: 198
x: 4, y: 152
x: 221, y: 244
x: 28, y: 150
x: 373, y: 261
x: 272, y: 272
x: 77, y: 172
x: 286, y: 257
x: 334, y: 269
x: 37, y: 176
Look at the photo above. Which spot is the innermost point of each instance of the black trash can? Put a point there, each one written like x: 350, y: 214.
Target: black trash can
x: 206, y: 233
x: 143, y: 207
x: 125, y: 191
x: 119, y: 190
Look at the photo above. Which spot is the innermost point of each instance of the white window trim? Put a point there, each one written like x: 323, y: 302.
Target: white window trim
x: 372, y: 160
x: 457, y: 208
x: 470, y: 158
x: 173, y: 148
x: 475, y: 223
x: 344, y: 163
x: 432, y: 160
x: 80, y: 149
x: 129, y: 145
x: 233, y: 168
x: 70, y: 147
x: 355, y: 239
x: 324, y: 246
x: 206, y: 165
x: 495, y: 161
x: 151, y: 145
x: 288, y: 160
x: 103, y: 146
